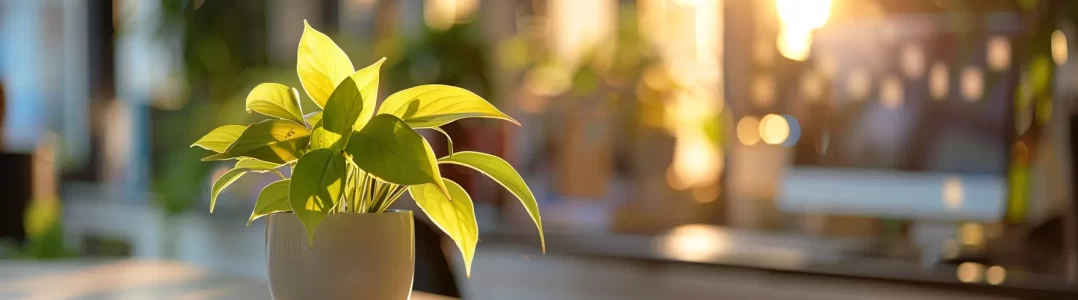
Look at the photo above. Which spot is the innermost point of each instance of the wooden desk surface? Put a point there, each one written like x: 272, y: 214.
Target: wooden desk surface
x: 128, y: 279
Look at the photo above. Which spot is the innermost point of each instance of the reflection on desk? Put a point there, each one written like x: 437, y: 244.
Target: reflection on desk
x: 128, y: 279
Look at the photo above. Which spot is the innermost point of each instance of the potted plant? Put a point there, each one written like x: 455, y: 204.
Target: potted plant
x: 329, y: 234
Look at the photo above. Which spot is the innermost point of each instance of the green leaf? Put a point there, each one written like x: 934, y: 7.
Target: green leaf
x: 366, y: 80
x: 349, y: 108
x: 275, y: 100
x: 435, y: 105
x: 339, y: 117
x: 255, y: 165
x: 341, y: 111
x: 321, y: 65
x: 313, y: 118
x: 502, y: 172
x: 390, y: 150
x: 272, y: 199
x: 321, y: 138
x: 275, y: 141
x: 454, y: 215
x: 317, y: 185
x: 220, y: 138
x: 222, y: 182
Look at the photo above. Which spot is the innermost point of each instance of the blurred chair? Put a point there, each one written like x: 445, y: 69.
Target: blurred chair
x: 432, y: 272
x: 16, y: 182
x: 16, y: 169
x: 15, y: 175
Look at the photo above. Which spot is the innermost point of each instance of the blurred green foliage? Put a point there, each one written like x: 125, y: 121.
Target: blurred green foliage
x: 456, y: 56
x: 44, y: 232
x: 223, y: 51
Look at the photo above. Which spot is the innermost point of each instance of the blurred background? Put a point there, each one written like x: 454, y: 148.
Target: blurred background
x: 679, y: 149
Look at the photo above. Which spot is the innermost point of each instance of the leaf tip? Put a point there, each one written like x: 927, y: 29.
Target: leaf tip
x: 511, y: 120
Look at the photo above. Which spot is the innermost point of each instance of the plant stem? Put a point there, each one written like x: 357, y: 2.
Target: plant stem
x: 357, y: 189
x: 278, y: 173
x: 448, y: 141
x: 383, y: 191
x: 365, y: 197
x: 393, y: 196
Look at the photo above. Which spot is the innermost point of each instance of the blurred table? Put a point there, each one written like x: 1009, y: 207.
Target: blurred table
x: 128, y: 279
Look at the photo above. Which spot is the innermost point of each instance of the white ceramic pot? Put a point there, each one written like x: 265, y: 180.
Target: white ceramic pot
x: 355, y: 256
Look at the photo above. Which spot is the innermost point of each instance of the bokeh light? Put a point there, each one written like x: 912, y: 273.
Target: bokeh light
x: 1059, y: 47
x: 806, y: 14
x: 858, y: 84
x: 891, y: 93
x: 998, y: 53
x: 995, y: 275
x: 912, y: 60
x: 694, y: 242
x: 971, y: 234
x: 972, y: 83
x: 774, y: 129
x: 748, y: 132
x: 939, y: 81
x: 794, y: 44
x: 970, y: 272
x: 953, y: 193
x: 441, y: 14
x: 797, y: 20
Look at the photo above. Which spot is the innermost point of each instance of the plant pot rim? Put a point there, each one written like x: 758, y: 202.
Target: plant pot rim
x: 387, y: 212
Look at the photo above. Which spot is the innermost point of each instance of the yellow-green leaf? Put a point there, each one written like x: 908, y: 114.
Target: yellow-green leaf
x: 313, y: 118
x: 275, y: 100
x: 255, y: 165
x: 272, y: 199
x: 390, y: 150
x: 320, y: 64
x: 454, y: 215
x: 275, y: 141
x: 366, y: 80
x: 435, y: 105
x: 220, y: 138
x: 321, y: 138
x: 317, y: 185
x: 222, y: 182
x: 340, y: 115
x: 503, y: 173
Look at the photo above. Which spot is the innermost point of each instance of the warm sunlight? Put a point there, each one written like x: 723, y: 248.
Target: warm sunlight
x: 798, y: 18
